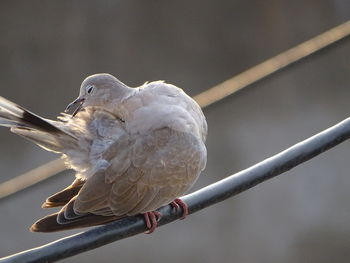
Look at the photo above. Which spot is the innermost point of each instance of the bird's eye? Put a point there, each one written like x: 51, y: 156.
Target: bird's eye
x: 90, y: 89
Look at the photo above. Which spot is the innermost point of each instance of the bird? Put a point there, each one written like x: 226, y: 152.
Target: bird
x: 133, y: 150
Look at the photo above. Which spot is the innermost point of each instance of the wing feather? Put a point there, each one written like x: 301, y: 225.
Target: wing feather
x: 63, y: 197
x: 93, y: 195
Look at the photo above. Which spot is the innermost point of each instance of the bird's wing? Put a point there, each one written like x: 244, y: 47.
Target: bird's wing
x: 49, y: 223
x: 64, y: 196
x: 102, y: 140
x: 162, y: 166
x: 68, y: 217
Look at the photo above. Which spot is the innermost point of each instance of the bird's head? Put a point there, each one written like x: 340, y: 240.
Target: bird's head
x: 99, y: 90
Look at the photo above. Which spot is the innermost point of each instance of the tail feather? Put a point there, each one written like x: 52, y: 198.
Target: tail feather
x: 67, y: 218
x: 24, y: 118
x: 50, y: 224
x: 8, y: 123
x: 9, y: 107
x: 33, y: 127
x: 64, y: 196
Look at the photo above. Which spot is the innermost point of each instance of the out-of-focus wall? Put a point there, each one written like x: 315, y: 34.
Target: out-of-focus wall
x: 48, y: 47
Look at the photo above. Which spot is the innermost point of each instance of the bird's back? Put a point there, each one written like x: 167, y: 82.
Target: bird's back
x: 157, y: 105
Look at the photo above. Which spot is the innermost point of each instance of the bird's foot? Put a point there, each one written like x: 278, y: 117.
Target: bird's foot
x: 177, y: 203
x: 152, y: 219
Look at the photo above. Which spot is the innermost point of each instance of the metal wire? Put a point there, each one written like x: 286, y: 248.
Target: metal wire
x: 272, y: 65
x: 207, y: 97
x: 30, y: 178
x: 209, y: 195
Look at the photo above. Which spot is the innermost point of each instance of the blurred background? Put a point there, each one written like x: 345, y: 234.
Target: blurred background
x: 48, y: 47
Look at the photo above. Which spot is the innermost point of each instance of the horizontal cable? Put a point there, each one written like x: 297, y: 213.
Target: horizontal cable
x: 207, y: 97
x: 209, y: 195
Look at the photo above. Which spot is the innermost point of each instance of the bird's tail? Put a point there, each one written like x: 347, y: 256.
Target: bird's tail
x: 49, y: 223
x: 50, y: 135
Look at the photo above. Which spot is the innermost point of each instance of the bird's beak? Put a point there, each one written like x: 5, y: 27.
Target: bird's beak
x: 79, y: 101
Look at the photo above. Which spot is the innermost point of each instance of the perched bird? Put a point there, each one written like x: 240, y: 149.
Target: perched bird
x: 133, y: 150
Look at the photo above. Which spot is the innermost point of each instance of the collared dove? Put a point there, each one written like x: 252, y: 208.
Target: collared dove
x: 133, y: 150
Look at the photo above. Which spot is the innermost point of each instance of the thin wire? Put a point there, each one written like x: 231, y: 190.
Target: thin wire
x: 30, y: 178
x: 207, y: 196
x: 209, y: 96
x: 273, y: 65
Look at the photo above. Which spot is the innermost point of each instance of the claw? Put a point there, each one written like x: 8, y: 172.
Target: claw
x: 152, y: 219
x: 177, y: 203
